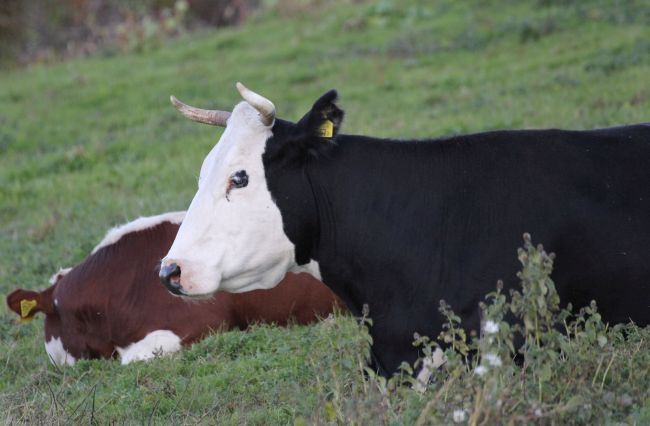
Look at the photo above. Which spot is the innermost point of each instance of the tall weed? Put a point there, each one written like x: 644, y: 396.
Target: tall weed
x: 532, y: 362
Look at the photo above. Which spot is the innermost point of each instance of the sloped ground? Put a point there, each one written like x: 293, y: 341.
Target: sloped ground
x: 90, y: 143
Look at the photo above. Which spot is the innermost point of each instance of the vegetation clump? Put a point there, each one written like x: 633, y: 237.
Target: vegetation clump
x: 569, y: 368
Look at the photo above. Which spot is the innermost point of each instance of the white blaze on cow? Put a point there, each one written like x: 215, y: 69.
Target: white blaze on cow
x: 233, y: 243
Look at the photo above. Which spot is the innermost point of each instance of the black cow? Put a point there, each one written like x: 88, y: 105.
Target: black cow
x: 399, y: 225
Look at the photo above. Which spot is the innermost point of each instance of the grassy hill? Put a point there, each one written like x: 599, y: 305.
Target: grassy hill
x: 91, y: 143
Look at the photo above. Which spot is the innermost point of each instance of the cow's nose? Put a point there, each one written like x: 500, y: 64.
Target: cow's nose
x: 170, y: 276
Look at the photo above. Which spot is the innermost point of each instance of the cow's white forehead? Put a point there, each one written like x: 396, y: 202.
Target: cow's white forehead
x: 245, y: 115
x: 239, y: 145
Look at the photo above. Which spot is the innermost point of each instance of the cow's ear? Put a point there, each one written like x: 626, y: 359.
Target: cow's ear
x: 325, y: 118
x: 28, y: 303
x: 313, y: 135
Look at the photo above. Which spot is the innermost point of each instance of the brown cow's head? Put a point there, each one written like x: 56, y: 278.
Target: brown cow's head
x: 28, y: 303
x: 91, y: 314
x: 78, y: 326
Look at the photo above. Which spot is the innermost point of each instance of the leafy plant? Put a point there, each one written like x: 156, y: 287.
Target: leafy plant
x: 483, y: 379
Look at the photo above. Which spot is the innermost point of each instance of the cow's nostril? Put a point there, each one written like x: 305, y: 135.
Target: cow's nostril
x: 170, y: 276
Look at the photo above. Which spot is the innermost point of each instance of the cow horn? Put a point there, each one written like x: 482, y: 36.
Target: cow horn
x: 260, y: 103
x: 207, y: 116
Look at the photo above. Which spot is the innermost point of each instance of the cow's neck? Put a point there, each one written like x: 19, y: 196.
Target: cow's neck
x: 334, y: 209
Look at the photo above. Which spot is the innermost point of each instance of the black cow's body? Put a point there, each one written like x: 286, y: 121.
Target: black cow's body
x: 399, y: 225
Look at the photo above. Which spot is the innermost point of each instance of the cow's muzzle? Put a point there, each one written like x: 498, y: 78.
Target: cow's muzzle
x: 170, y: 276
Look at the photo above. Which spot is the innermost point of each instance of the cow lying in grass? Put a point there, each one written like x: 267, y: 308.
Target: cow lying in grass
x: 400, y: 225
x: 112, y: 303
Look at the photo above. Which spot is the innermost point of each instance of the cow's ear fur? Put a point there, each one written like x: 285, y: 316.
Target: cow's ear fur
x: 27, y: 303
x: 314, y: 135
x: 316, y: 131
x: 324, y: 119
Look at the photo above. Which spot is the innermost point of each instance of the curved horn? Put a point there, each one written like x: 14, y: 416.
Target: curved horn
x: 260, y: 103
x: 207, y: 116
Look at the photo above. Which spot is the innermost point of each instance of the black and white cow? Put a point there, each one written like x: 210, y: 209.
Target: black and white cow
x: 399, y: 225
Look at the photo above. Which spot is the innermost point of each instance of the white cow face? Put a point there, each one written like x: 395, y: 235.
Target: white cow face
x: 232, y: 237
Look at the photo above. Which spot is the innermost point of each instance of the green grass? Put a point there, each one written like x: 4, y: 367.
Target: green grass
x: 90, y: 143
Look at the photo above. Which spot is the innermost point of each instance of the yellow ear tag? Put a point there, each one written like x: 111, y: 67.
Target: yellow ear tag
x: 326, y: 130
x: 26, y: 307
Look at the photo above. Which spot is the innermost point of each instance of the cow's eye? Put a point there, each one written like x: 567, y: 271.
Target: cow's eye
x: 239, y: 179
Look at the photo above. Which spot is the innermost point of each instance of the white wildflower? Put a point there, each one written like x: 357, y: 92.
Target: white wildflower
x: 459, y: 416
x: 424, y: 375
x: 492, y: 359
x: 480, y: 370
x: 429, y: 364
x: 491, y: 327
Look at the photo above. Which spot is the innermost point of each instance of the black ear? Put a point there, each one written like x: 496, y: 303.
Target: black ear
x: 325, y: 117
x: 314, y: 135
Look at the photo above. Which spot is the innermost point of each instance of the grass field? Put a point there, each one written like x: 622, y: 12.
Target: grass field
x: 91, y: 143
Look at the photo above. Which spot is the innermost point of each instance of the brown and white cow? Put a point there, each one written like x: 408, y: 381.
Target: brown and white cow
x: 112, y: 303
